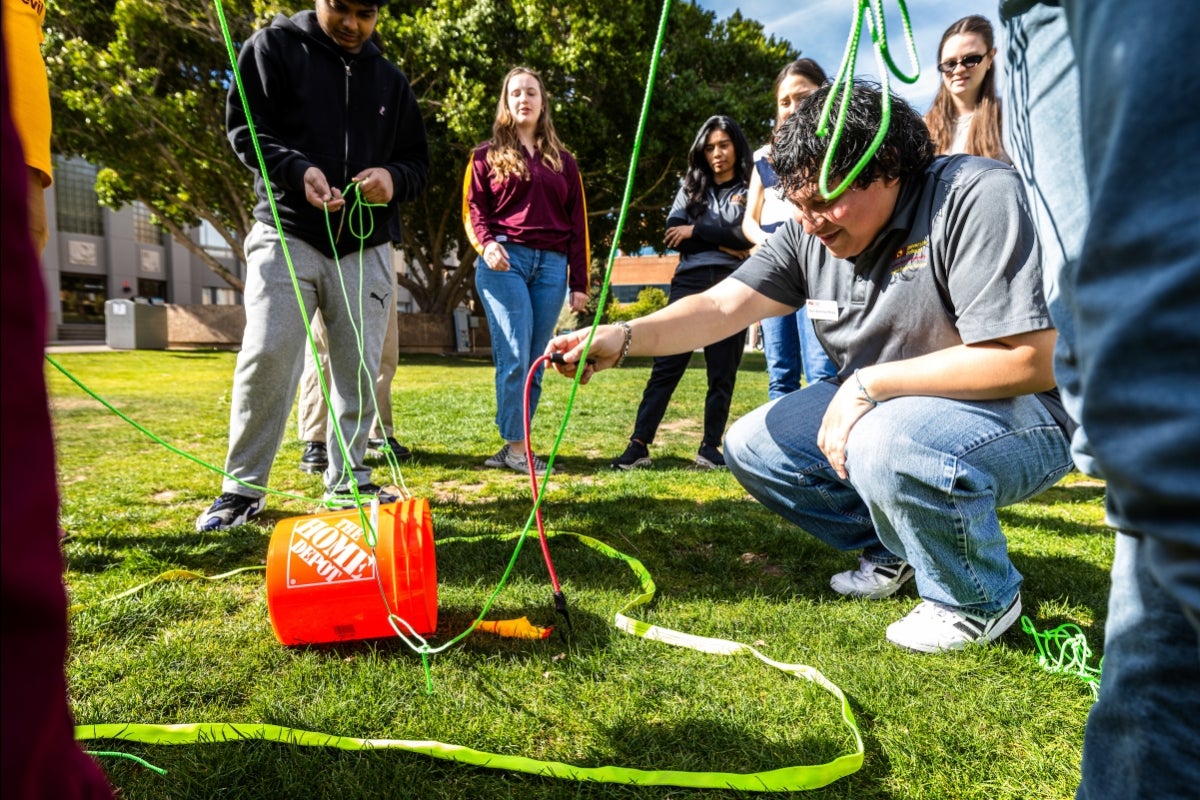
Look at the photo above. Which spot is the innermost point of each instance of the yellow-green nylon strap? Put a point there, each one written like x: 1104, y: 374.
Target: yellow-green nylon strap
x: 784, y: 779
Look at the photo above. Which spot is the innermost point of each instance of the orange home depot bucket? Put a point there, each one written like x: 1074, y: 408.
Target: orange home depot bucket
x: 321, y: 576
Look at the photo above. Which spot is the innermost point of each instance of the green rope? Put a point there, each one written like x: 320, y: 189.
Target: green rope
x: 1065, y: 649
x: 660, y: 37
x: 872, y: 11
x: 113, y: 754
x: 168, y: 445
x: 626, y: 198
x: 287, y: 256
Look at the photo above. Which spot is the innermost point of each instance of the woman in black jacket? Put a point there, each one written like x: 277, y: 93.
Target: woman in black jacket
x: 705, y: 226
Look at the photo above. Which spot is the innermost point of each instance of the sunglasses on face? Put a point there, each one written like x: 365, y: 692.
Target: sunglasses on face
x: 969, y: 62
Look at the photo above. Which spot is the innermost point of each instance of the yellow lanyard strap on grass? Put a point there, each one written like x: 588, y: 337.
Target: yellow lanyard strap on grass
x: 784, y: 779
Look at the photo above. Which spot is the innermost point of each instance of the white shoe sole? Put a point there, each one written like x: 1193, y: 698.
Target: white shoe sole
x: 991, y: 632
x: 846, y: 587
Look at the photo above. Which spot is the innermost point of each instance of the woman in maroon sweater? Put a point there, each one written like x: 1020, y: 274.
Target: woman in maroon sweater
x: 524, y: 212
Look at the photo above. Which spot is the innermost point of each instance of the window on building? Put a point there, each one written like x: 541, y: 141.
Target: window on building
x: 215, y: 296
x: 82, y: 297
x: 212, y: 241
x: 144, y: 229
x: 155, y: 291
x: 75, y: 202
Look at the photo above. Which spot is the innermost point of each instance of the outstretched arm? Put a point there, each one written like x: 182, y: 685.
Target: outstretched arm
x: 692, y: 322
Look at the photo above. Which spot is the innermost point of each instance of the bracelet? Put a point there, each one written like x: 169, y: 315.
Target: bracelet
x: 624, y: 347
x: 862, y: 391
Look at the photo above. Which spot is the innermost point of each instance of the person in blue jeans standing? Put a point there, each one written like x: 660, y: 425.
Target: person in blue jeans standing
x: 927, y: 288
x: 525, y: 214
x: 790, y: 342
x: 1104, y: 130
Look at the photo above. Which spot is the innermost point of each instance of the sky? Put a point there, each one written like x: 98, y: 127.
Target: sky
x: 821, y: 28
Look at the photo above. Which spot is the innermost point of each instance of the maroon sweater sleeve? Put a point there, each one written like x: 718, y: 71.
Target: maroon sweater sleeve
x: 40, y: 756
x: 579, y: 255
x: 477, y: 200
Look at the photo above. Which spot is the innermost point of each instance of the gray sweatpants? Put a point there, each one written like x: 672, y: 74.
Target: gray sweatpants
x: 269, y: 364
x: 312, y: 415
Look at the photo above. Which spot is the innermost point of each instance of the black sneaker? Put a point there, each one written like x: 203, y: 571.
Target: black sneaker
x: 230, y: 510
x: 375, y: 449
x: 636, y: 455
x: 709, y: 457
x: 342, y: 497
x: 315, y: 458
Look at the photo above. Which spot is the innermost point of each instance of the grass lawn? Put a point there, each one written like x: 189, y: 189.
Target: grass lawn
x: 985, y: 723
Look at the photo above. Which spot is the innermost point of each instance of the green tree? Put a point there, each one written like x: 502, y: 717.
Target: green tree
x: 139, y: 89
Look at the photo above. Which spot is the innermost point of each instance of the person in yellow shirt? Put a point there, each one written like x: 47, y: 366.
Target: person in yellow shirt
x: 29, y: 103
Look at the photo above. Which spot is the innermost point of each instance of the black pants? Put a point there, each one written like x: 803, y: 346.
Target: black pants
x: 721, y: 358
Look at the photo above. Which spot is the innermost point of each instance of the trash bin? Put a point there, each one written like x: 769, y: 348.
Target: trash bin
x: 129, y: 325
x: 462, y: 330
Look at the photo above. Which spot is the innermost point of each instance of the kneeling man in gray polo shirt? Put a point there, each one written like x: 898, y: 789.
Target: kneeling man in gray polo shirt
x: 924, y: 284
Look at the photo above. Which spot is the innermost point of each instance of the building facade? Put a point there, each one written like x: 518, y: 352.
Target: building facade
x: 95, y: 254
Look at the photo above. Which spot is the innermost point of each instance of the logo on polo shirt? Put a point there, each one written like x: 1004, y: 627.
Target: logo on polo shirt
x: 907, y: 260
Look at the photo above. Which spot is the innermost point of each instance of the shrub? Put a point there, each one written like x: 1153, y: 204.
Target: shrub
x: 649, y: 300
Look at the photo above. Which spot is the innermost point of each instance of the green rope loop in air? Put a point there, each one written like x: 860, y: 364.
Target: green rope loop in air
x: 872, y: 11
x: 784, y: 779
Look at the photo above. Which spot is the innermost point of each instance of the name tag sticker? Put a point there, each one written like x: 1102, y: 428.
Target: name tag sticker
x: 822, y: 309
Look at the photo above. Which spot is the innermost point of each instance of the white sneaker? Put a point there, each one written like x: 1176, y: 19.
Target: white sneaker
x: 230, y: 510
x: 871, y: 581
x: 931, y: 627
x: 508, y: 458
x: 497, y: 461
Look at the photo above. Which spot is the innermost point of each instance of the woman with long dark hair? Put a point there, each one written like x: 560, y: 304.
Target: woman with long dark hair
x: 524, y: 211
x: 705, y: 226
x: 789, y: 342
x: 965, y: 115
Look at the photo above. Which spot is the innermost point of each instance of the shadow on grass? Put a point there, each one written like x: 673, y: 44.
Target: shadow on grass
x: 1014, y: 516
x: 196, y: 355
x: 1082, y: 492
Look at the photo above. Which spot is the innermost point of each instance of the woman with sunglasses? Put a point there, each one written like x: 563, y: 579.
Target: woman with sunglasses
x: 965, y: 115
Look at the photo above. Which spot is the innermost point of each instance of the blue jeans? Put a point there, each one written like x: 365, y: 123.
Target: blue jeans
x: 926, y: 477
x: 1129, y: 356
x: 522, y: 306
x: 1143, y: 735
x: 790, y: 345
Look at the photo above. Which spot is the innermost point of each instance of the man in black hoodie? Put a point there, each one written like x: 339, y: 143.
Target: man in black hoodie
x: 336, y: 125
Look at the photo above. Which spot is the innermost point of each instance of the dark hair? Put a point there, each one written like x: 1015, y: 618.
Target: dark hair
x: 699, y: 178
x: 805, y: 68
x: 905, y: 150
x: 983, y: 137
